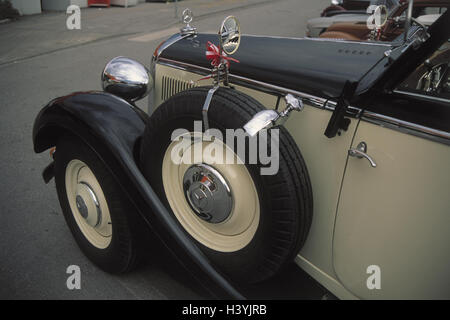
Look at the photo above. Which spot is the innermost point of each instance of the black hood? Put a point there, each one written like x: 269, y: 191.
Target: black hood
x: 316, y: 66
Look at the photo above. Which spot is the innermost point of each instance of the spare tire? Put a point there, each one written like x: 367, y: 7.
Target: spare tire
x: 249, y: 225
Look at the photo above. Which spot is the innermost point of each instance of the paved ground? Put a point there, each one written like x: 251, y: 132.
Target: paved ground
x: 39, y: 60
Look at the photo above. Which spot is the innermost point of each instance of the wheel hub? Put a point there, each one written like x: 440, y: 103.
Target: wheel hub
x: 81, y: 206
x: 208, y: 193
x: 88, y: 205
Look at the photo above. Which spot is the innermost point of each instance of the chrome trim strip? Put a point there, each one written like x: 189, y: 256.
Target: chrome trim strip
x: 322, y: 103
x: 184, y: 66
x: 174, y: 38
x: 421, y: 96
x: 154, y: 59
x: 407, y: 127
x: 312, y: 100
x: 381, y: 44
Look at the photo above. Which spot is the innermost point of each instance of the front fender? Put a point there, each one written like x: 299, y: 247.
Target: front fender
x: 89, y: 115
x: 112, y: 128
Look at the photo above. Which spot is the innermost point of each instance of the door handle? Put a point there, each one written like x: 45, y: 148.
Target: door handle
x: 360, y: 152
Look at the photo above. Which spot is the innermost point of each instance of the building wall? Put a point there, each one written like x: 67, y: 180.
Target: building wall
x: 80, y: 3
x: 61, y: 5
x: 124, y: 2
x: 27, y: 6
x: 34, y: 6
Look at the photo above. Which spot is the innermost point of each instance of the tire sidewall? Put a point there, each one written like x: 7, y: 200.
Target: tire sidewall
x: 114, y: 257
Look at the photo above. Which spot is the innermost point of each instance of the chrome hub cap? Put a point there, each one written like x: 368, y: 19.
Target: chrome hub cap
x: 208, y: 193
x: 81, y: 206
x: 88, y: 205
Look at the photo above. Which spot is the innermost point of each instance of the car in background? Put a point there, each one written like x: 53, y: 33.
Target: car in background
x: 317, y: 26
x: 344, y: 6
x: 425, y: 12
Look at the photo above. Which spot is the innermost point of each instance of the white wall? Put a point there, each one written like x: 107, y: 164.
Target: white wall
x: 124, y: 3
x: 27, y: 6
x: 61, y: 5
x: 80, y: 3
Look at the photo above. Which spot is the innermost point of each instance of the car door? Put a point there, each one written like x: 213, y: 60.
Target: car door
x: 391, y: 237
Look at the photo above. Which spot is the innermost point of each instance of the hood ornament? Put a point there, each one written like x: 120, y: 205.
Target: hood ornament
x: 187, y: 17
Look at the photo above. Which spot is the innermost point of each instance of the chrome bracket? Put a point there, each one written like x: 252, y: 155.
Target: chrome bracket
x: 206, y: 106
x: 292, y: 104
x: 219, y: 74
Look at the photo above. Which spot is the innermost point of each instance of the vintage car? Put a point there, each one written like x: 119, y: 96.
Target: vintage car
x: 353, y: 187
x: 425, y: 12
x: 354, y: 6
x: 316, y: 26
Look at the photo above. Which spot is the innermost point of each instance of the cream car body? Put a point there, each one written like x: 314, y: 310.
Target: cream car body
x: 394, y: 216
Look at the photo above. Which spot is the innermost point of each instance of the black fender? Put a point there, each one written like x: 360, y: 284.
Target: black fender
x: 112, y: 127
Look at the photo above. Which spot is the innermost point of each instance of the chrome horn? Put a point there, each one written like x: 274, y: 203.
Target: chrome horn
x: 267, y: 119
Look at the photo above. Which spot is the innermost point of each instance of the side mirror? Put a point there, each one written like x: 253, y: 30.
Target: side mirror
x: 127, y: 79
x: 230, y: 35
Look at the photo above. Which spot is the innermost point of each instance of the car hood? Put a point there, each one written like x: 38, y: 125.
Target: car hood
x: 315, y: 66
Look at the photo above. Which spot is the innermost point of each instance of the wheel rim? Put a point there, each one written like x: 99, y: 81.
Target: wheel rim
x: 88, y: 204
x: 234, y: 224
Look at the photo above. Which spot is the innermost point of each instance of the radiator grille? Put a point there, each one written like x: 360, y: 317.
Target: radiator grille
x: 171, y: 86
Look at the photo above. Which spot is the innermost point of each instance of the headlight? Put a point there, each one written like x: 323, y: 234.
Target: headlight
x: 127, y: 79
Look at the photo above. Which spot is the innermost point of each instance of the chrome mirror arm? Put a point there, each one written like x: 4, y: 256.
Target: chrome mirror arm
x: 267, y: 119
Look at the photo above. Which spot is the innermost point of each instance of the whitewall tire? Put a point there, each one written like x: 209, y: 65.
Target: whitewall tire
x: 99, y: 215
x: 249, y: 225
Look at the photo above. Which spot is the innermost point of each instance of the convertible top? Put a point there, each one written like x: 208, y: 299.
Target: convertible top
x: 316, y: 66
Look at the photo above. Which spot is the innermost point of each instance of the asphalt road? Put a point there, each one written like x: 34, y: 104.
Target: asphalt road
x: 36, y: 246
